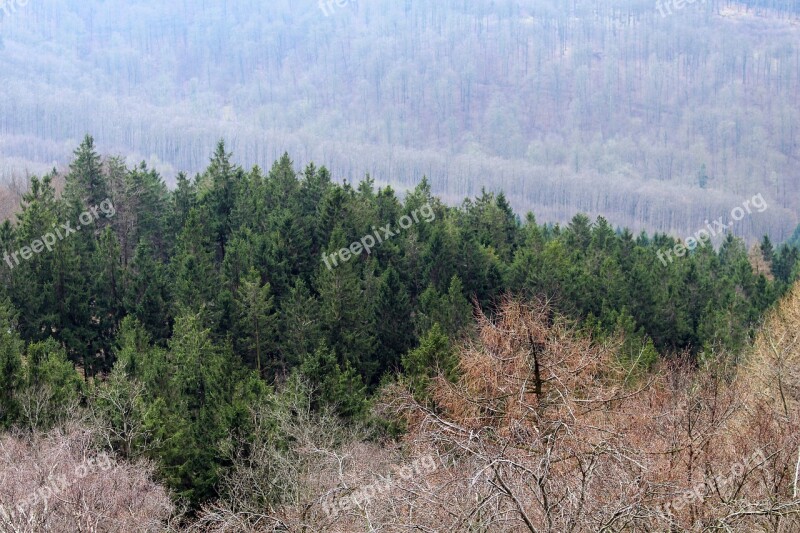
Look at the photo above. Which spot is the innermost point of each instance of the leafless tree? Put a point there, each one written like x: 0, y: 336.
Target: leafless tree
x: 59, y: 481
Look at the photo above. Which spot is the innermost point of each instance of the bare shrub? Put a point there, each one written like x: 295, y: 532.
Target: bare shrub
x: 59, y: 481
x: 540, y: 434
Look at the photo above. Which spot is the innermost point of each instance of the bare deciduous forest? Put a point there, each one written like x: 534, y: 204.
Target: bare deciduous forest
x: 656, y: 122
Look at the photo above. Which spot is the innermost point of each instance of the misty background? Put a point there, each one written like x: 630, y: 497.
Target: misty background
x: 610, y: 108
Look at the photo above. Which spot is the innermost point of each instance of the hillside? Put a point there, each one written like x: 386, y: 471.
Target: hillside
x: 654, y: 121
x: 249, y: 350
x: 467, y: 266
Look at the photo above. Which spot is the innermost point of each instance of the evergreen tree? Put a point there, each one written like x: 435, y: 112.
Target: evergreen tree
x: 146, y: 293
x: 451, y: 311
x: 52, y: 387
x: 393, y: 322
x: 767, y: 250
x: 10, y: 365
x: 194, y: 414
x: 434, y: 356
x: 184, y: 199
x: 336, y: 386
x: 301, y: 330
x: 193, y: 267
x: 108, y: 293
x: 86, y: 186
x: 219, y: 190
x: 347, y: 318
x: 257, y: 319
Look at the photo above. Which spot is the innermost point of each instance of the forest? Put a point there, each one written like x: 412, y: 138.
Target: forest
x: 605, y: 108
x: 477, y: 371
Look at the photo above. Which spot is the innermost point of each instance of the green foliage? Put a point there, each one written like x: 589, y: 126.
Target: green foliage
x: 336, y: 386
x: 10, y: 365
x: 767, y: 249
x: 637, y: 354
x: 86, y: 186
x: 146, y: 293
x: 256, y: 317
x: 451, y: 311
x: 434, y: 356
x: 394, y: 330
x: 182, y: 308
x: 52, y: 387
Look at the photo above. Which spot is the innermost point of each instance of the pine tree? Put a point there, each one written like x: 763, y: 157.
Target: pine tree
x: 52, y: 387
x: 218, y: 193
x: 433, y: 357
x: 195, y: 276
x: 301, y: 330
x: 146, y: 206
x: 336, y: 386
x: 451, y: 311
x: 393, y: 322
x: 184, y: 199
x: 347, y: 319
x: 146, y: 293
x: 257, y: 318
x: 767, y: 250
x: 10, y: 365
x: 32, y: 284
x: 86, y: 186
x: 108, y: 293
x: 193, y: 413
x: 282, y: 183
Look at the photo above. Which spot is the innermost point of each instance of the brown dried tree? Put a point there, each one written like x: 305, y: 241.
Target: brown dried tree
x: 540, y: 434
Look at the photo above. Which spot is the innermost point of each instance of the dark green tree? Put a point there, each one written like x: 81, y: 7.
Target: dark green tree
x: 11, y: 374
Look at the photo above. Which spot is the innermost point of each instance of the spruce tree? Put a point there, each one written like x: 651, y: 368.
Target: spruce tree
x: 257, y: 319
x: 86, y: 186
x: 10, y: 365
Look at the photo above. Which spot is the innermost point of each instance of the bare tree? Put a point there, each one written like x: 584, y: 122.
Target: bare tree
x: 59, y: 481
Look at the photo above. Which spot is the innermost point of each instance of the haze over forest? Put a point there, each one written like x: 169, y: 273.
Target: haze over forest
x: 399, y: 265
x: 654, y: 120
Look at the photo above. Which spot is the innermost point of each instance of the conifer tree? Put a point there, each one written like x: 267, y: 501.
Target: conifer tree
x: 334, y: 385
x: 393, y: 322
x: 108, y: 294
x: 257, y: 319
x: 146, y: 293
x: 432, y: 357
x: 10, y: 365
x: 86, y: 186
x: 347, y: 319
x: 301, y: 329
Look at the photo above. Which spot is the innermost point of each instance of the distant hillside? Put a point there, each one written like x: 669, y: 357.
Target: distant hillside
x: 656, y: 122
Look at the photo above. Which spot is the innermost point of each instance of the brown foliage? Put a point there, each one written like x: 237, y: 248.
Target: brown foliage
x: 59, y: 482
x: 538, y: 434
x: 773, y: 371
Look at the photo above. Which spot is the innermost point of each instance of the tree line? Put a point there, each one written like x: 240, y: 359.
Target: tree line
x: 172, y: 318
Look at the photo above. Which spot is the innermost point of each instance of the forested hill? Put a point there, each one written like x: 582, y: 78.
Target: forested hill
x: 232, y: 236
x: 178, y: 308
x: 656, y: 117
